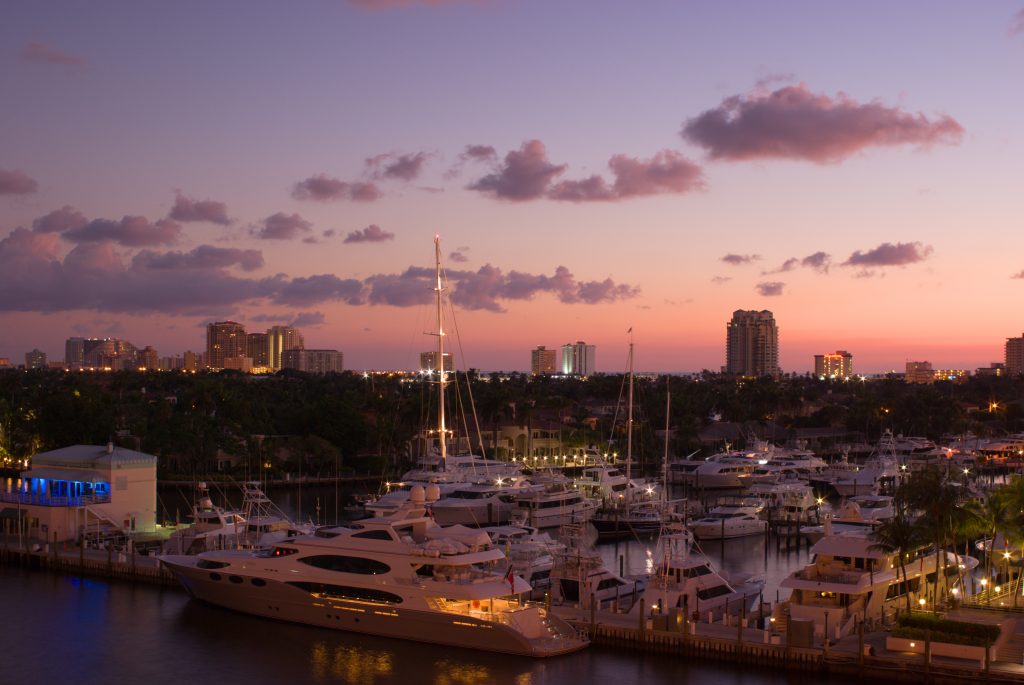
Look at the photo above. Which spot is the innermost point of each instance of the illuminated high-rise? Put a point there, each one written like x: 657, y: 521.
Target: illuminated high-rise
x: 279, y: 339
x: 752, y: 344
x: 542, y: 361
x: 578, y: 358
x: 838, y: 365
x: 224, y: 339
x: 1015, y: 356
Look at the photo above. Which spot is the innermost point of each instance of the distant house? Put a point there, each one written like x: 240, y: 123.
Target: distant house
x: 84, y: 488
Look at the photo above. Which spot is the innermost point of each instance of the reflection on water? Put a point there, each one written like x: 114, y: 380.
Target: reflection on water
x: 349, y: 664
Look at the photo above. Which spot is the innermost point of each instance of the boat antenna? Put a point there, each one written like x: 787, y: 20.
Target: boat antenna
x: 439, y: 289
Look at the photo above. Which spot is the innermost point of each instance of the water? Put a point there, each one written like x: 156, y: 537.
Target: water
x: 65, y: 629
x: 93, y: 631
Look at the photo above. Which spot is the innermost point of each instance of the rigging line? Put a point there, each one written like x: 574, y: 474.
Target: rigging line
x: 462, y: 358
x: 618, y: 409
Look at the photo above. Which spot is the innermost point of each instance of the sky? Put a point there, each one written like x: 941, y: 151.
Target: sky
x: 591, y: 167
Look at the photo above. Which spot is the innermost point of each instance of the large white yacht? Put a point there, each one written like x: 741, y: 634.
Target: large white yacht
x: 480, y: 505
x: 212, y: 527
x: 402, y: 576
x: 848, y: 578
x: 556, y: 505
x: 686, y: 579
x: 729, y: 521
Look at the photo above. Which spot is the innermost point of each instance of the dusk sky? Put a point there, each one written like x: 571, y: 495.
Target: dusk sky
x: 590, y: 165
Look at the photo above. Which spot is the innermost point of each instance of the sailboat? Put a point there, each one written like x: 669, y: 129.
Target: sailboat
x: 630, y: 514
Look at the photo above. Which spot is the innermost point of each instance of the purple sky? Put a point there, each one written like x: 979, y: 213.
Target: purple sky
x: 590, y: 165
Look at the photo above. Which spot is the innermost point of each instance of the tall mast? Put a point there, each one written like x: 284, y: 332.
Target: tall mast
x: 441, y: 429
x: 664, y: 459
x: 629, y: 420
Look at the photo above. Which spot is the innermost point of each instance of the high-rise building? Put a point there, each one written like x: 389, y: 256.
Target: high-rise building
x: 838, y: 365
x: 190, y: 363
x: 5, y: 362
x: 578, y: 358
x: 1015, y: 356
x: 74, y: 353
x: 313, y: 361
x: 149, y: 359
x: 224, y: 339
x: 257, y: 348
x: 109, y: 353
x: 752, y: 344
x: 542, y: 361
x: 428, y: 361
x: 36, y: 359
x: 919, y: 372
x: 279, y: 339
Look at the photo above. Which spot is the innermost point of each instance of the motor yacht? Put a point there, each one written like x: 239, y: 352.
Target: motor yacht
x: 211, y: 527
x: 556, y: 505
x: 480, y: 505
x: 729, y: 521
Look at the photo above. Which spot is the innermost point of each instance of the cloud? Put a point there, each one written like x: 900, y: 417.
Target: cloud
x: 202, y: 257
x: 667, y: 172
x: 484, y: 153
x: 793, y: 123
x: 819, y: 261
x: 47, y: 54
x: 1019, y: 274
x: 787, y: 265
x: 486, y: 287
x: 304, y: 291
x: 770, y: 288
x: 16, y: 183
x: 329, y: 233
x: 719, y: 280
x: 459, y: 255
x: 130, y: 231
x: 888, y: 254
x: 59, y: 220
x: 371, y: 234
x: 392, y: 166
x: 308, y: 320
x: 282, y: 226
x: 739, y: 259
x: 525, y: 174
x: 323, y: 188
x: 1017, y: 23
x: 186, y: 209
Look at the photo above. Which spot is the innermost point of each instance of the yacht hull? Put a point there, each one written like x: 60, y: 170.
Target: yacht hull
x: 283, y: 602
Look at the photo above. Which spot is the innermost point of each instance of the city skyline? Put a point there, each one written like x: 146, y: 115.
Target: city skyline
x: 591, y: 167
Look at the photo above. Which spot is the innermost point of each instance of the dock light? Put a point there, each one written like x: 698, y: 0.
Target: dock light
x: 771, y: 620
x: 500, y: 482
x: 998, y: 589
x: 913, y: 644
x: 966, y: 471
x: 650, y: 491
x: 984, y: 582
x: 921, y: 602
x: 955, y: 591
x: 821, y: 500
x: 1006, y: 555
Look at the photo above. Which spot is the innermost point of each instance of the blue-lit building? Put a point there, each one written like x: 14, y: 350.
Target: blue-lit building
x: 84, y: 488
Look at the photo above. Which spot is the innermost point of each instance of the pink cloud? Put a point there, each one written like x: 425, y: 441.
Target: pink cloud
x: 187, y: 209
x: 770, y: 289
x: 16, y: 183
x: 324, y: 188
x: 889, y: 254
x: 371, y: 234
x: 667, y: 172
x: 459, y: 255
x: 282, y: 226
x: 478, y: 152
x: 392, y: 166
x: 202, y: 257
x: 374, y: 5
x: 1017, y: 23
x: 47, y: 54
x: 819, y: 261
x: 738, y: 259
x: 129, y: 231
x: 1018, y: 275
x: 59, y: 220
x: 793, y: 123
x: 525, y: 174
x: 719, y: 280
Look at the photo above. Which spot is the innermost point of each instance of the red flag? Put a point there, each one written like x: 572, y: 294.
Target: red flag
x: 511, y: 578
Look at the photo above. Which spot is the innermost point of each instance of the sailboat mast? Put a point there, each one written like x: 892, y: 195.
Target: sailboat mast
x: 629, y: 420
x: 441, y: 428
x: 664, y: 459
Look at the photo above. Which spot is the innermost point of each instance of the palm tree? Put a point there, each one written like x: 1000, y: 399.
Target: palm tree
x: 898, y: 536
x: 995, y: 513
x: 931, y: 492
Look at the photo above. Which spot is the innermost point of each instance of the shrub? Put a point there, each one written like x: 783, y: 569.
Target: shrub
x: 925, y: 626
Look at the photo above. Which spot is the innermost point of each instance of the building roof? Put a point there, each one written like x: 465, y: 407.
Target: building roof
x: 98, y: 457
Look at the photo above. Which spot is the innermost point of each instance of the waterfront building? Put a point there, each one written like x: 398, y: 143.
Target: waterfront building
x: 91, y: 487
x: 280, y: 339
x: 837, y: 365
x: 224, y: 339
x: 243, y: 364
x: 542, y: 361
x: 955, y: 375
x: 428, y: 361
x: 752, y: 344
x: 314, y: 361
x: 172, y: 363
x: 74, y: 353
x: 190, y: 363
x: 148, y: 359
x: 578, y: 358
x: 36, y: 359
x: 1015, y: 356
x: 993, y: 369
x: 257, y: 348
x: 919, y: 372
